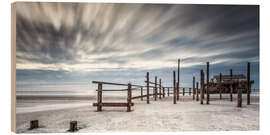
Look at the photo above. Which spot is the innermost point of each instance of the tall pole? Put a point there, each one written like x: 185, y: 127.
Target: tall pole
x: 220, y: 86
x: 178, y: 79
x: 147, y: 86
x: 248, y: 83
x: 231, y: 88
x: 174, y: 88
x: 155, y: 88
x: 207, y: 83
x: 239, y: 95
x: 159, y: 88
x: 193, y: 87
x: 202, y: 86
x: 197, y: 91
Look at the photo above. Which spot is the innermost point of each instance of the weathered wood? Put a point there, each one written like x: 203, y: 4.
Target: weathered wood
x: 174, y: 88
x: 248, y: 83
x: 33, y: 124
x: 189, y: 91
x: 121, y: 84
x: 159, y: 88
x: 147, y: 88
x: 141, y: 94
x: 207, y: 83
x: 73, y: 126
x: 197, y: 91
x: 129, y: 94
x: 163, y: 92
x: 193, y: 87
x: 155, y: 88
x: 202, y: 87
x: 99, y: 97
x: 231, y: 87
x: 183, y: 92
x: 220, y: 86
x: 239, y: 95
x: 111, y: 104
x: 178, y: 79
x: 168, y: 92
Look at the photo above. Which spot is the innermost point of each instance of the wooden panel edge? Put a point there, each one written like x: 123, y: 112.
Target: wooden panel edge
x: 13, y: 67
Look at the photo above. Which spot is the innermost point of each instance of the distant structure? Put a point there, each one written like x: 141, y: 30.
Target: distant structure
x: 226, y: 82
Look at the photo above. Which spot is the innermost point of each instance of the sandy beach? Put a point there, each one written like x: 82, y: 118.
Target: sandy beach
x: 158, y: 116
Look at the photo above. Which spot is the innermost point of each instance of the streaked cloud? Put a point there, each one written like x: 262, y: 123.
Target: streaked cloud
x: 93, y: 37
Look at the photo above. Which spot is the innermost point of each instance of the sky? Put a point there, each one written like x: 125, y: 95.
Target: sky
x: 64, y: 46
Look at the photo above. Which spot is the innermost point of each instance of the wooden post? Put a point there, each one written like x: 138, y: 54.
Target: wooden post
x: 189, y: 92
x: 202, y: 86
x: 33, y: 124
x: 129, y: 98
x: 159, y: 88
x: 163, y: 92
x: 168, y: 92
x: 207, y: 83
x: 178, y: 79
x: 174, y: 88
x: 155, y: 88
x: 231, y: 88
x: 73, y: 126
x: 183, y: 91
x: 141, y: 93
x: 239, y: 95
x: 147, y: 88
x: 220, y: 86
x: 197, y: 91
x: 99, y: 97
x: 193, y: 87
x: 248, y: 83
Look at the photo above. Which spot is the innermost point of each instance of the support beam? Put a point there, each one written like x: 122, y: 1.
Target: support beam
x: 178, y: 79
x: 231, y: 87
x: 220, y: 86
x: 189, y: 91
x: 248, y: 83
x: 168, y: 92
x: 155, y: 88
x: 207, y: 83
x: 159, y: 88
x: 141, y: 93
x: 129, y: 94
x: 197, y: 91
x: 202, y: 86
x: 193, y: 87
x: 99, y: 97
x: 239, y: 95
x: 174, y: 88
x: 183, y: 92
x: 147, y: 88
x: 163, y: 92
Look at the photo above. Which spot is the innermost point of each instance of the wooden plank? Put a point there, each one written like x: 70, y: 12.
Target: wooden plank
x: 111, y: 104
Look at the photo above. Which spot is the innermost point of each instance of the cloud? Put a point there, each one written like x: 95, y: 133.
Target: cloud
x: 99, y: 36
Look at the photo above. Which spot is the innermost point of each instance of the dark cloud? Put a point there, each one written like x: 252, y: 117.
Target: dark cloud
x: 131, y: 37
